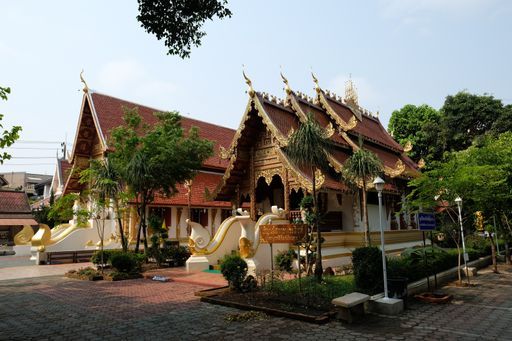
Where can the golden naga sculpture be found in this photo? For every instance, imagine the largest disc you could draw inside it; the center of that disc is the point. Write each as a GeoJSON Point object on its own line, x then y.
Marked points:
{"type": "Point", "coordinates": [224, 153]}
{"type": "Point", "coordinates": [246, 249]}
{"type": "Point", "coordinates": [329, 131]}
{"type": "Point", "coordinates": [24, 237]}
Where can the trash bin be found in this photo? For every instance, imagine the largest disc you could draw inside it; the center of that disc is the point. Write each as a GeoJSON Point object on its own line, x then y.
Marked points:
{"type": "Point", "coordinates": [397, 288]}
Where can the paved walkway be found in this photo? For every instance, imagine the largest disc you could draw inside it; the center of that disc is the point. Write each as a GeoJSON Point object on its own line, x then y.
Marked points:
{"type": "Point", "coordinates": [59, 308]}
{"type": "Point", "coordinates": [18, 267]}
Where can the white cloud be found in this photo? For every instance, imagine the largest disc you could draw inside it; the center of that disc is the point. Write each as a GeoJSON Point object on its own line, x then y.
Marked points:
{"type": "Point", "coordinates": [130, 79]}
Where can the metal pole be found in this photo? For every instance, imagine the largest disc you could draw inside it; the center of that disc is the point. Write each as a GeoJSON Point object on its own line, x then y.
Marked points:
{"type": "Point", "coordinates": [496, 235]}
{"type": "Point", "coordinates": [425, 259]}
{"type": "Point", "coordinates": [271, 266]}
{"type": "Point", "coordinates": [298, 266]}
{"type": "Point", "coordinates": [463, 242]}
{"type": "Point", "coordinates": [384, 272]}
{"type": "Point", "coordinates": [433, 270]}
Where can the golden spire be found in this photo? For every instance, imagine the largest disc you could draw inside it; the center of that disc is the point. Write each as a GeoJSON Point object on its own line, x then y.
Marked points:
{"type": "Point", "coordinates": [86, 87]}
{"type": "Point", "coordinates": [286, 85]}
{"type": "Point", "coordinates": [315, 80]}
{"type": "Point", "coordinates": [351, 92]}
{"type": "Point", "coordinates": [250, 91]}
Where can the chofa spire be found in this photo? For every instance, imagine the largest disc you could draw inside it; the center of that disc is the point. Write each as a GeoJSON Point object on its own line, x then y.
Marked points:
{"type": "Point", "coordinates": [250, 91]}
{"type": "Point", "coordinates": [86, 87]}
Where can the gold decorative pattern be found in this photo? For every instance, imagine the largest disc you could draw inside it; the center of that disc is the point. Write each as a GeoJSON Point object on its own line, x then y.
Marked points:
{"type": "Point", "coordinates": [224, 153]}
{"type": "Point", "coordinates": [344, 126]}
{"type": "Point", "coordinates": [351, 96]}
{"type": "Point", "coordinates": [246, 248]}
{"type": "Point", "coordinates": [396, 171]}
{"type": "Point", "coordinates": [281, 140]}
{"type": "Point", "coordinates": [319, 178]}
{"type": "Point", "coordinates": [329, 131]}
{"type": "Point", "coordinates": [421, 163]}
{"type": "Point", "coordinates": [24, 236]}
{"type": "Point", "coordinates": [268, 174]}
{"type": "Point", "coordinates": [335, 164]}
{"type": "Point", "coordinates": [408, 147]}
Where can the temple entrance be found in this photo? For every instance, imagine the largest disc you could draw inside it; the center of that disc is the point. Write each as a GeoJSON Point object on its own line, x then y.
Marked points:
{"type": "Point", "coordinates": [295, 199]}
{"type": "Point", "coordinates": [268, 195]}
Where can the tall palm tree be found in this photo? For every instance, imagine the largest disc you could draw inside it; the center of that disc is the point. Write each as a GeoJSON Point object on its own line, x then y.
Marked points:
{"type": "Point", "coordinates": [308, 147]}
{"type": "Point", "coordinates": [359, 170]}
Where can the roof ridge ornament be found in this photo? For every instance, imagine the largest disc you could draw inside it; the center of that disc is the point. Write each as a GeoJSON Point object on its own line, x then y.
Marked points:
{"type": "Point", "coordinates": [315, 80]}
{"type": "Point", "coordinates": [351, 96]}
{"type": "Point", "coordinates": [286, 85]}
{"type": "Point", "coordinates": [250, 91]}
{"type": "Point", "coordinates": [86, 87]}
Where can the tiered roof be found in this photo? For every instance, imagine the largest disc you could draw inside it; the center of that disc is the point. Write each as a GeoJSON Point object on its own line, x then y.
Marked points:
{"type": "Point", "coordinates": [344, 121]}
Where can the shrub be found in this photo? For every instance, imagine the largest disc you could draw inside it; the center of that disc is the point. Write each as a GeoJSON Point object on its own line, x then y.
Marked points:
{"type": "Point", "coordinates": [284, 260]}
{"type": "Point", "coordinates": [480, 244]}
{"type": "Point", "coordinates": [107, 254]}
{"type": "Point", "coordinates": [124, 262]}
{"type": "Point", "coordinates": [367, 262]}
{"type": "Point", "coordinates": [234, 270]}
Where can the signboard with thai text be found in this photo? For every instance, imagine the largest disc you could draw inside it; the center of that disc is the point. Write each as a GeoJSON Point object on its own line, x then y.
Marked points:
{"type": "Point", "coordinates": [426, 221]}
{"type": "Point", "coordinates": [282, 233]}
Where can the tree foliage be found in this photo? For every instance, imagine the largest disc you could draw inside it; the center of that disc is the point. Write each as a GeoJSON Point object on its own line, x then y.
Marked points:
{"type": "Point", "coordinates": [466, 116]}
{"type": "Point", "coordinates": [179, 22]}
{"type": "Point", "coordinates": [155, 159]}
{"type": "Point", "coordinates": [8, 136]}
{"type": "Point", "coordinates": [419, 125]}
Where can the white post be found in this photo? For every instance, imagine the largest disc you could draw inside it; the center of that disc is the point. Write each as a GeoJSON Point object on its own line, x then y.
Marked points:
{"type": "Point", "coordinates": [384, 270]}
{"type": "Point", "coordinates": [459, 204]}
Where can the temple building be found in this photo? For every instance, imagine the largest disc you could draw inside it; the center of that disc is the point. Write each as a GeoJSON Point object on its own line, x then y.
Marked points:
{"type": "Point", "coordinates": [251, 173]}
{"type": "Point", "coordinates": [260, 172]}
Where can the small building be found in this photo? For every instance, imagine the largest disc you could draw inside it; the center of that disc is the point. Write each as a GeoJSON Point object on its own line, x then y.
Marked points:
{"type": "Point", "coordinates": [15, 213]}
{"type": "Point", "coordinates": [35, 185]}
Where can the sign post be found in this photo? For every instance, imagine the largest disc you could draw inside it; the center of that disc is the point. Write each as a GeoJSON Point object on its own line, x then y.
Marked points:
{"type": "Point", "coordinates": [282, 233]}
{"type": "Point", "coordinates": [427, 222]}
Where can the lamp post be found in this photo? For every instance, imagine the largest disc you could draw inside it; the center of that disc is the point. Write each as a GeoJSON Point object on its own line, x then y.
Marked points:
{"type": "Point", "coordinates": [379, 186]}
{"type": "Point", "coordinates": [458, 201]}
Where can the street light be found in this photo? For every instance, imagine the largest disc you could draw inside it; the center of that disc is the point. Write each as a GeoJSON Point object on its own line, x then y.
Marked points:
{"type": "Point", "coordinates": [379, 186]}
{"type": "Point", "coordinates": [458, 201]}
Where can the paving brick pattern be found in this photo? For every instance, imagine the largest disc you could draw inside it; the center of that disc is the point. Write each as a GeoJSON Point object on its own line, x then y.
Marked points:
{"type": "Point", "coordinates": [58, 308]}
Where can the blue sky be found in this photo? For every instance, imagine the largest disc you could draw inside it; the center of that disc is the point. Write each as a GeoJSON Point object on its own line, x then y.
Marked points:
{"type": "Point", "coordinates": [397, 51]}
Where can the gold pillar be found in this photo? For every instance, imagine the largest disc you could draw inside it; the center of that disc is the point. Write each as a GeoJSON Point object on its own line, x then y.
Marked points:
{"type": "Point", "coordinates": [252, 186]}
{"type": "Point", "coordinates": [286, 191]}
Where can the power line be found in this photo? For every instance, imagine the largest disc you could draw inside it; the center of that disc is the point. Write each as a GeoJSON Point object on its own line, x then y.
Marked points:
{"type": "Point", "coordinates": [28, 164]}
{"type": "Point", "coordinates": [33, 148]}
{"type": "Point", "coordinates": [42, 142]}
{"type": "Point", "coordinates": [33, 157]}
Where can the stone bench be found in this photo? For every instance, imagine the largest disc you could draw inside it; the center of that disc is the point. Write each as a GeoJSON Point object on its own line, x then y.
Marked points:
{"type": "Point", "coordinates": [350, 306]}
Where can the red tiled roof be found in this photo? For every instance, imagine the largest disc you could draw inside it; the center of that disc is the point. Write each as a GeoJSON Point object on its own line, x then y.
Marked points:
{"type": "Point", "coordinates": [109, 111]}
{"type": "Point", "coordinates": [322, 118]}
{"type": "Point", "coordinates": [389, 158]}
{"type": "Point", "coordinates": [65, 168]}
{"type": "Point", "coordinates": [14, 202]}
{"type": "Point", "coordinates": [368, 127]}
{"type": "Point", "coordinates": [282, 118]}
{"type": "Point", "coordinates": [201, 181]}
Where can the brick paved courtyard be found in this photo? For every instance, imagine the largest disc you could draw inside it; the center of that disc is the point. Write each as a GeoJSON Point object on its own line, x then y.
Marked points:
{"type": "Point", "coordinates": [59, 308]}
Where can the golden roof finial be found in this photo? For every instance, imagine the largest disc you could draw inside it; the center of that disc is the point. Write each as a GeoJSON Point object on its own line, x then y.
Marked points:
{"type": "Point", "coordinates": [86, 87]}
{"type": "Point", "coordinates": [250, 91]}
{"type": "Point", "coordinates": [315, 80]}
{"type": "Point", "coordinates": [286, 85]}
{"type": "Point", "coordinates": [351, 92]}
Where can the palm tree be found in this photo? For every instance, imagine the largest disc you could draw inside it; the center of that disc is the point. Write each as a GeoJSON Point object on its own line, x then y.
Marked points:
{"type": "Point", "coordinates": [104, 181]}
{"type": "Point", "coordinates": [359, 170]}
{"type": "Point", "coordinates": [308, 147]}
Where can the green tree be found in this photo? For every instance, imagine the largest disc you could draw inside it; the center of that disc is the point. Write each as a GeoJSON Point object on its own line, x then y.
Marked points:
{"type": "Point", "coordinates": [308, 147]}
{"type": "Point", "coordinates": [420, 126]}
{"type": "Point", "coordinates": [465, 116]}
{"type": "Point", "coordinates": [8, 136]}
{"type": "Point", "coordinates": [359, 170]}
{"type": "Point", "coordinates": [179, 22]}
{"type": "Point", "coordinates": [155, 159]}
{"type": "Point", "coordinates": [105, 185]}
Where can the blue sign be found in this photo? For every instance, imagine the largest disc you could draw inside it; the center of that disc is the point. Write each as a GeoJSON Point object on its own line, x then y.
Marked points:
{"type": "Point", "coordinates": [426, 221]}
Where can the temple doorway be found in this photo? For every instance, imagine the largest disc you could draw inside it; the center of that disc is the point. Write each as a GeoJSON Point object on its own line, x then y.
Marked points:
{"type": "Point", "coordinates": [268, 195]}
